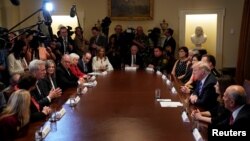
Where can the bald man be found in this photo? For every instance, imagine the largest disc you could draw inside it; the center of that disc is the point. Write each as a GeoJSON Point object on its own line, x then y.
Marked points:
{"type": "Point", "coordinates": [238, 124]}
{"type": "Point", "coordinates": [65, 78]}
{"type": "Point", "coordinates": [235, 100]}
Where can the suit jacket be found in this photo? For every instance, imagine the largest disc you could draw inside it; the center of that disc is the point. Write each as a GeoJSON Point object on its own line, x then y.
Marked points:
{"type": "Point", "coordinates": [47, 80]}
{"type": "Point", "coordinates": [65, 79]}
{"type": "Point", "coordinates": [41, 95]}
{"type": "Point", "coordinates": [101, 41]}
{"type": "Point", "coordinates": [170, 42]}
{"type": "Point", "coordinates": [241, 123]}
{"type": "Point", "coordinates": [138, 60]}
{"type": "Point", "coordinates": [207, 98]}
{"type": "Point", "coordinates": [87, 68]}
{"type": "Point", "coordinates": [70, 42]}
{"type": "Point", "coordinates": [35, 114]}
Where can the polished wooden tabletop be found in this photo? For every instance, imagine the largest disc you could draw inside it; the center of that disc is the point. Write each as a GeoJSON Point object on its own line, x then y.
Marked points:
{"type": "Point", "coordinates": [122, 107]}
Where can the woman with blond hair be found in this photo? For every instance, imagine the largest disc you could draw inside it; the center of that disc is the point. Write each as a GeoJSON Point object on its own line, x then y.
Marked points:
{"type": "Point", "coordinates": [101, 61]}
{"type": "Point", "coordinates": [16, 114]}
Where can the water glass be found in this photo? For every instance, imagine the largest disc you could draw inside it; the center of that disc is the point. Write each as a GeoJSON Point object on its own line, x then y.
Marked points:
{"type": "Point", "coordinates": [157, 93]}
{"type": "Point", "coordinates": [72, 102]}
{"type": "Point", "coordinates": [38, 135]}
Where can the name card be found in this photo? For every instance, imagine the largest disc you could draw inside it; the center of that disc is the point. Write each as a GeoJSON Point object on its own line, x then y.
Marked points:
{"type": "Point", "coordinates": [158, 73]}
{"type": "Point", "coordinates": [197, 135]}
{"type": "Point", "coordinates": [92, 78]}
{"type": "Point", "coordinates": [45, 130]}
{"type": "Point", "coordinates": [184, 117]}
{"type": "Point", "coordinates": [168, 82]}
{"type": "Point", "coordinates": [84, 90]}
{"type": "Point", "coordinates": [73, 100]}
{"type": "Point", "coordinates": [77, 99]}
{"type": "Point", "coordinates": [94, 83]}
{"type": "Point", "coordinates": [60, 113]}
{"type": "Point", "coordinates": [173, 90]}
{"type": "Point", "coordinates": [164, 77]}
{"type": "Point", "coordinates": [149, 69]}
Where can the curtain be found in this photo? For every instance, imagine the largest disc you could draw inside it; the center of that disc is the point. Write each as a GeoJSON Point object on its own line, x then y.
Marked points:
{"type": "Point", "coordinates": [243, 62]}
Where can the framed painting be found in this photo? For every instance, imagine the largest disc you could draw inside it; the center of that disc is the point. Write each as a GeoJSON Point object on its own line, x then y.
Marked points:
{"type": "Point", "coordinates": [130, 9]}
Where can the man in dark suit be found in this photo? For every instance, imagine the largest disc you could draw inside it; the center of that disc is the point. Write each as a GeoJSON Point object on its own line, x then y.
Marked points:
{"type": "Point", "coordinates": [42, 94]}
{"type": "Point", "coordinates": [96, 41]}
{"type": "Point", "coordinates": [65, 78]}
{"type": "Point", "coordinates": [235, 100]}
{"type": "Point", "coordinates": [66, 42]}
{"type": "Point", "coordinates": [133, 59]}
{"type": "Point", "coordinates": [169, 44]}
{"type": "Point", "coordinates": [204, 94]}
{"type": "Point", "coordinates": [85, 64]}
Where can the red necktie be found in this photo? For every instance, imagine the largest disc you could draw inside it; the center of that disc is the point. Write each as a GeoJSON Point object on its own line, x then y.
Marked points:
{"type": "Point", "coordinates": [35, 103]}
{"type": "Point", "coordinates": [231, 121]}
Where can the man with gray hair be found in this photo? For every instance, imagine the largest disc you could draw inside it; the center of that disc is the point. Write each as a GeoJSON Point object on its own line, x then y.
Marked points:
{"type": "Point", "coordinates": [236, 124]}
{"type": "Point", "coordinates": [204, 94]}
{"type": "Point", "coordinates": [42, 94]}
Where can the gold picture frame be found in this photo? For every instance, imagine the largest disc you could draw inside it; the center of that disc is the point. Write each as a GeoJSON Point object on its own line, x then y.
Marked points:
{"type": "Point", "coordinates": [130, 9]}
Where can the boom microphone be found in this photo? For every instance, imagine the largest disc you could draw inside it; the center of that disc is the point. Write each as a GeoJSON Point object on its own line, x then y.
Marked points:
{"type": "Point", "coordinates": [15, 2]}
{"type": "Point", "coordinates": [73, 11]}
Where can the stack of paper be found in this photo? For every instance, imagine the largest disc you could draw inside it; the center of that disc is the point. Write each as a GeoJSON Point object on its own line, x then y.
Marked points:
{"type": "Point", "coordinates": [170, 104]}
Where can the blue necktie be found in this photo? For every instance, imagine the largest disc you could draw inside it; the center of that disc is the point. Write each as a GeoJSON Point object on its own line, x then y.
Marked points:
{"type": "Point", "coordinates": [200, 88]}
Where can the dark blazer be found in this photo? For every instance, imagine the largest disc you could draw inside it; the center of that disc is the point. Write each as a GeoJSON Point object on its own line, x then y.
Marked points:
{"type": "Point", "coordinates": [41, 98]}
{"type": "Point", "coordinates": [65, 79]}
{"type": "Point", "coordinates": [87, 68]}
{"type": "Point", "coordinates": [70, 42]}
{"type": "Point", "coordinates": [170, 42]}
{"type": "Point", "coordinates": [101, 41]}
{"type": "Point", "coordinates": [47, 81]}
{"type": "Point", "coordinates": [207, 99]}
{"type": "Point", "coordinates": [241, 123]}
{"type": "Point", "coordinates": [138, 60]}
{"type": "Point", "coordinates": [35, 114]}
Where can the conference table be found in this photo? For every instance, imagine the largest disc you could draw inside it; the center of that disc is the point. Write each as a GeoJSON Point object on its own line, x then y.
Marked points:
{"type": "Point", "coordinates": [121, 107]}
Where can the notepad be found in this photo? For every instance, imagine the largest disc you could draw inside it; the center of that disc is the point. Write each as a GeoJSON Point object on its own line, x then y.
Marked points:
{"type": "Point", "coordinates": [170, 104]}
{"type": "Point", "coordinates": [162, 100]}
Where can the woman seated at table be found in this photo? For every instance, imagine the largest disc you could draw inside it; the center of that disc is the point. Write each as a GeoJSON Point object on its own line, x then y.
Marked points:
{"type": "Point", "coordinates": [16, 115]}
{"type": "Point", "coordinates": [219, 112]}
{"type": "Point", "coordinates": [101, 61]}
{"type": "Point", "coordinates": [180, 67]}
{"type": "Point", "coordinates": [73, 65]}
{"type": "Point", "coordinates": [50, 78]}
